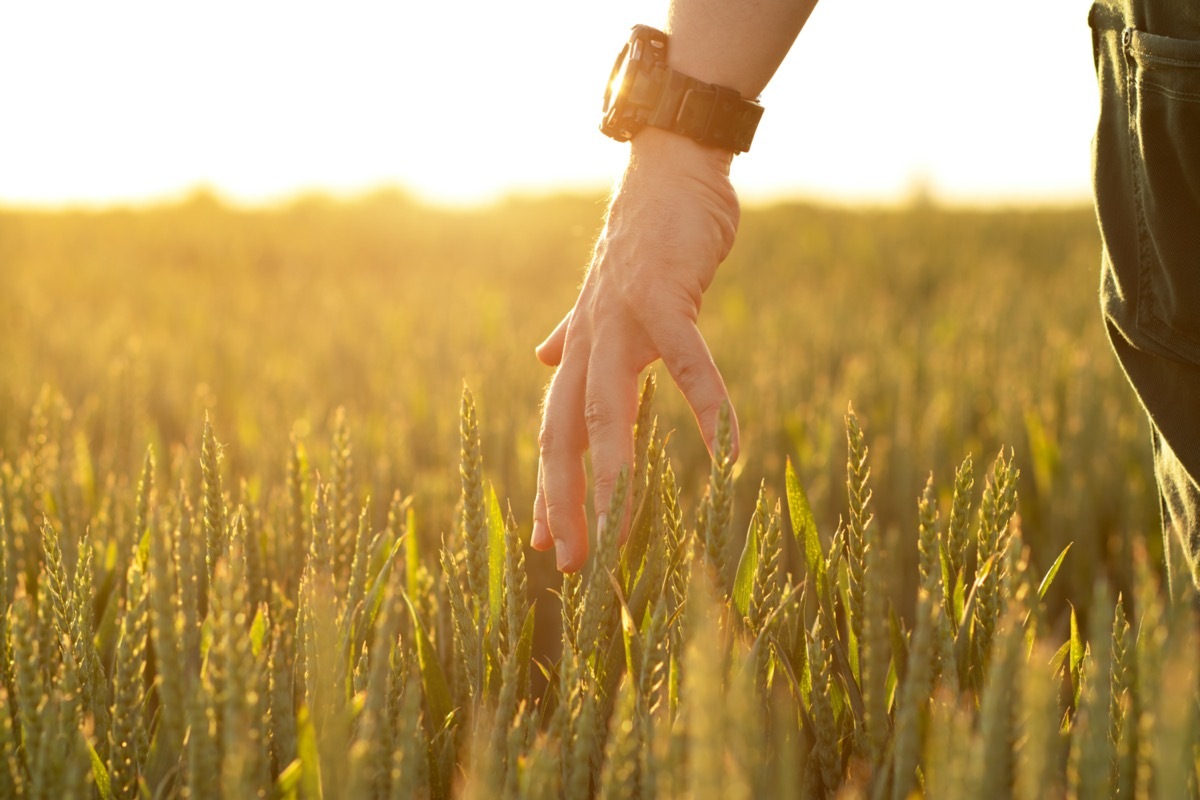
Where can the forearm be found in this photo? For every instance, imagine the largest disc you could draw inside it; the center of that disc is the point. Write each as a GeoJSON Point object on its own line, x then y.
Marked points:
{"type": "Point", "coordinates": [734, 43]}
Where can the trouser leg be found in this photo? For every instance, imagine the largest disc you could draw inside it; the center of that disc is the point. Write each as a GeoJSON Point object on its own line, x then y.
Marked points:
{"type": "Point", "coordinates": [1179, 500]}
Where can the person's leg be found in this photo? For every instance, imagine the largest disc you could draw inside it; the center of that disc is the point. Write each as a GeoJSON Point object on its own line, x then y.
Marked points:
{"type": "Point", "coordinates": [1179, 497]}
{"type": "Point", "coordinates": [1146, 172]}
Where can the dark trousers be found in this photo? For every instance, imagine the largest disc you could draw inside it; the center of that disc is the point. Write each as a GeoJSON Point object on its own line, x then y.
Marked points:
{"type": "Point", "coordinates": [1146, 168]}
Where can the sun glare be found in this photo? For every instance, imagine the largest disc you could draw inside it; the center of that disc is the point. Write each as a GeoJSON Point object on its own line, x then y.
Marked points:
{"type": "Point", "coordinates": [131, 101]}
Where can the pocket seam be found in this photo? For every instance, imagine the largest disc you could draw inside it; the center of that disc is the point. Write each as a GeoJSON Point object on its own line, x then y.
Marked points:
{"type": "Point", "coordinates": [1161, 50]}
{"type": "Point", "coordinates": [1173, 94]}
{"type": "Point", "coordinates": [1140, 81]}
{"type": "Point", "coordinates": [1186, 63]}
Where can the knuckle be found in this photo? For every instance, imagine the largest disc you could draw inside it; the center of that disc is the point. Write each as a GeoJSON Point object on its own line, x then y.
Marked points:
{"type": "Point", "coordinates": [548, 439]}
{"type": "Point", "coordinates": [560, 443]}
{"type": "Point", "coordinates": [598, 415]}
{"type": "Point", "coordinates": [603, 486]}
{"type": "Point", "coordinates": [558, 513]}
{"type": "Point", "coordinates": [560, 440]}
{"type": "Point", "coordinates": [651, 304]}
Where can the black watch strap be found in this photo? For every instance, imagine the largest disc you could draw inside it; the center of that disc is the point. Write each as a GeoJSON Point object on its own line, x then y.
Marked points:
{"type": "Point", "coordinates": [710, 114]}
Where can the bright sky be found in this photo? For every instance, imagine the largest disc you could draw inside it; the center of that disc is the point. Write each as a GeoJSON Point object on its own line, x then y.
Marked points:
{"type": "Point", "coordinates": [463, 101]}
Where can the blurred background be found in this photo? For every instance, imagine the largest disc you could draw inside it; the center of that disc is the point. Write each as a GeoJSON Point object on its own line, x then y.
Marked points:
{"type": "Point", "coordinates": [267, 211]}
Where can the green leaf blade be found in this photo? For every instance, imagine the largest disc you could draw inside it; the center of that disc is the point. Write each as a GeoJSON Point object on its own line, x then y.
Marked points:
{"type": "Point", "coordinates": [1044, 586]}
{"type": "Point", "coordinates": [309, 755]}
{"type": "Point", "coordinates": [804, 527]}
{"type": "Point", "coordinates": [743, 584]}
{"type": "Point", "coordinates": [496, 552]}
{"type": "Point", "coordinates": [100, 774]}
{"type": "Point", "coordinates": [412, 553]}
{"type": "Point", "coordinates": [433, 679]}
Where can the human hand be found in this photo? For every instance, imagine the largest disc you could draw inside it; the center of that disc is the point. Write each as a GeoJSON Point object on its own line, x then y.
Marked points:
{"type": "Point", "coordinates": [671, 222]}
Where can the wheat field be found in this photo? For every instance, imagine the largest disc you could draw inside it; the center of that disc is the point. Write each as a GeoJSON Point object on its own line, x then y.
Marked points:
{"type": "Point", "coordinates": [265, 481]}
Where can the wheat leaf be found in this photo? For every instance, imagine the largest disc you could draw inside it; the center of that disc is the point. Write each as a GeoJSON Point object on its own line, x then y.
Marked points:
{"type": "Point", "coordinates": [629, 635]}
{"type": "Point", "coordinates": [100, 774]}
{"type": "Point", "coordinates": [496, 547]}
{"type": "Point", "coordinates": [375, 596]}
{"type": "Point", "coordinates": [437, 690]}
{"type": "Point", "coordinates": [804, 527]}
{"type": "Point", "coordinates": [1044, 586]}
{"type": "Point", "coordinates": [287, 785]}
{"type": "Point", "coordinates": [1060, 656]}
{"type": "Point", "coordinates": [258, 632]}
{"type": "Point", "coordinates": [743, 584]}
{"type": "Point", "coordinates": [412, 553]}
{"type": "Point", "coordinates": [524, 652]}
{"type": "Point", "coordinates": [899, 642]}
{"type": "Point", "coordinates": [309, 755]}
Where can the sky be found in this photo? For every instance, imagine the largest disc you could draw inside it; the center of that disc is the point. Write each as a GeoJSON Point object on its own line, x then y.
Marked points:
{"type": "Point", "coordinates": [130, 101]}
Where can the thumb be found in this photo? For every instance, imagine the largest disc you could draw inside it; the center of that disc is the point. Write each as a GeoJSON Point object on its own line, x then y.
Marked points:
{"type": "Point", "coordinates": [550, 351]}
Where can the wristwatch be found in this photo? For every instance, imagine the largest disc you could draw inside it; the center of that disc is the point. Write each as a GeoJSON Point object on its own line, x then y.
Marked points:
{"type": "Point", "coordinates": [643, 90]}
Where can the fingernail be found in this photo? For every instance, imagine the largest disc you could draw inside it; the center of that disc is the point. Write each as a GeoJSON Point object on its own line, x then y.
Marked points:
{"type": "Point", "coordinates": [540, 540]}
{"type": "Point", "coordinates": [601, 525]}
{"type": "Point", "coordinates": [562, 553]}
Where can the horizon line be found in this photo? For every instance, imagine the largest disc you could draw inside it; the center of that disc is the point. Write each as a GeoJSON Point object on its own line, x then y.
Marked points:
{"type": "Point", "coordinates": [922, 195]}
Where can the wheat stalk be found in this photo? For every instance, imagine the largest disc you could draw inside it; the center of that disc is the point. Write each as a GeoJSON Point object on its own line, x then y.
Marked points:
{"type": "Point", "coordinates": [857, 537]}
{"type": "Point", "coordinates": [214, 500]}
{"type": "Point", "coordinates": [621, 775]}
{"type": "Point", "coordinates": [474, 507]}
{"type": "Point", "coordinates": [29, 685]}
{"type": "Point", "coordinates": [12, 779]}
{"type": "Point", "coordinates": [55, 595]}
{"type": "Point", "coordinates": [928, 541]}
{"type": "Point", "coordinates": [341, 504]}
{"type": "Point", "coordinates": [1120, 709]}
{"type": "Point", "coordinates": [716, 509]}
{"type": "Point", "coordinates": [516, 588]}
{"type": "Point", "coordinates": [915, 694]}
{"type": "Point", "coordinates": [128, 688]}
{"type": "Point", "coordinates": [825, 749]}
{"type": "Point", "coordinates": [291, 559]}
{"type": "Point", "coordinates": [165, 630]}
{"type": "Point", "coordinates": [958, 534]}
{"type": "Point", "coordinates": [765, 591]}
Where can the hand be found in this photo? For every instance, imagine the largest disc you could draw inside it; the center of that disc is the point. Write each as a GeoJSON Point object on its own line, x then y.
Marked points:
{"type": "Point", "coordinates": [671, 222]}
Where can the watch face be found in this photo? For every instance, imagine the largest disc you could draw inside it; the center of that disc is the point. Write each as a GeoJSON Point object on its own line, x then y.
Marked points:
{"type": "Point", "coordinates": [634, 84]}
{"type": "Point", "coordinates": [616, 81]}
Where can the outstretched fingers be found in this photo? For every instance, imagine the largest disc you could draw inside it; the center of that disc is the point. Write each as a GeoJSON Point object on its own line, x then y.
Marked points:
{"type": "Point", "coordinates": [686, 356]}
{"type": "Point", "coordinates": [559, 509]}
{"type": "Point", "coordinates": [610, 410]}
{"type": "Point", "coordinates": [541, 540]}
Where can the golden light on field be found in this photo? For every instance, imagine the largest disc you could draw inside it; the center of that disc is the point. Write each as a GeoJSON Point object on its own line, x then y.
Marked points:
{"type": "Point", "coordinates": [134, 100]}
{"type": "Point", "coordinates": [266, 473]}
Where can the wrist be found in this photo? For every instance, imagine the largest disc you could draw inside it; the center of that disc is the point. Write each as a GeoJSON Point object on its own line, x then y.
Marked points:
{"type": "Point", "coordinates": [644, 91]}
{"type": "Point", "coordinates": [662, 147]}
